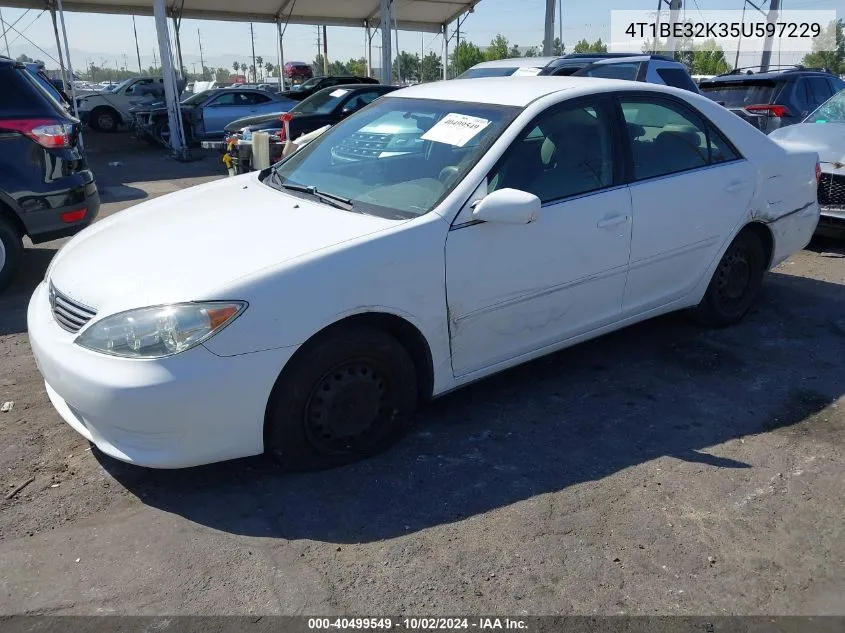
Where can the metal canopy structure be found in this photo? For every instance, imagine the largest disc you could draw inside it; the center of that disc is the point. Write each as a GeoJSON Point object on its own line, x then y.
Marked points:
{"type": "Point", "coordinates": [431, 16]}
{"type": "Point", "coordinates": [412, 15]}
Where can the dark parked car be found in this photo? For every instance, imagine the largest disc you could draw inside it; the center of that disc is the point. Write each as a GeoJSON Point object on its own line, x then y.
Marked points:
{"type": "Point", "coordinates": [305, 90]}
{"type": "Point", "coordinates": [326, 107]}
{"type": "Point", "coordinates": [774, 99]}
{"type": "Point", "coordinates": [46, 188]}
{"type": "Point", "coordinates": [206, 114]}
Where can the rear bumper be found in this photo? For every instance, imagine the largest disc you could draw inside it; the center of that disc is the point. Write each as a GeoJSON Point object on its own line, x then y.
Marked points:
{"type": "Point", "coordinates": [47, 225]}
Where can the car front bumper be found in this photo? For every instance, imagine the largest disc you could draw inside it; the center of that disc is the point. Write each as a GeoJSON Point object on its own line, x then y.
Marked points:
{"type": "Point", "coordinates": [185, 410]}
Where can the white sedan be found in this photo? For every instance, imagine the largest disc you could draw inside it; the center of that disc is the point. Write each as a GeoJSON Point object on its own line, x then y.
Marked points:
{"type": "Point", "coordinates": [305, 310]}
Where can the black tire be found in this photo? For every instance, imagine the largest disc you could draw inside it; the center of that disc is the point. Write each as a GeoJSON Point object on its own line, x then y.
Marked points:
{"type": "Point", "coordinates": [347, 395]}
{"type": "Point", "coordinates": [735, 284]}
{"type": "Point", "coordinates": [104, 119]}
{"type": "Point", "coordinates": [11, 252]}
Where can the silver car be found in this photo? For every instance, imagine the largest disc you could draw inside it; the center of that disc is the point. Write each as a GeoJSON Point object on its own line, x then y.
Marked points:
{"type": "Point", "coordinates": [824, 132]}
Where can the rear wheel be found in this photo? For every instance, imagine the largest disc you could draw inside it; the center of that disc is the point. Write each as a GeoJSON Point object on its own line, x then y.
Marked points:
{"type": "Point", "coordinates": [11, 251]}
{"type": "Point", "coordinates": [735, 283]}
{"type": "Point", "coordinates": [348, 395]}
{"type": "Point", "coordinates": [104, 120]}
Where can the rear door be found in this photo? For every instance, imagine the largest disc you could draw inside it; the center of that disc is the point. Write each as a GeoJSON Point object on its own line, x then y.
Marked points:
{"type": "Point", "coordinates": [228, 106]}
{"type": "Point", "coordinates": [689, 191]}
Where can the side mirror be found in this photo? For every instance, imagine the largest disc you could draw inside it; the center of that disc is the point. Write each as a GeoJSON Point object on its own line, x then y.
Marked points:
{"type": "Point", "coordinates": [508, 206]}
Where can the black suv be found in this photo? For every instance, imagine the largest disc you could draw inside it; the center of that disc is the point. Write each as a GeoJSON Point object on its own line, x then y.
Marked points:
{"type": "Point", "coordinates": [773, 99]}
{"type": "Point", "coordinates": [46, 188]}
{"type": "Point", "coordinates": [315, 84]}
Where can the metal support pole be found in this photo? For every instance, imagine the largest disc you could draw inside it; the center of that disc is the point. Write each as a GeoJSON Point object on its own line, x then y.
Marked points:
{"type": "Point", "coordinates": [674, 10]}
{"type": "Point", "coordinates": [5, 36]}
{"type": "Point", "coordinates": [325, 53]}
{"type": "Point", "coordinates": [180, 71]}
{"type": "Point", "coordinates": [70, 70]}
{"type": "Point", "coordinates": [386, 52]}
{"type": "Point", "coordinates": [281, 52]}
{"type": "Point", "coordinates": [445, 54]}
{"type": "Point", "coordinates": [59, 48]}
{"type": "Point", "coordinates": [549, 37]}
{"type": "Point", "coordinates": [171, 93]}
{"type": "Point", "coordinates": [771, 18]}
{"type": "Point", "coordinates": [137, 48]}
{"type": "Point", "coordinates": [368, 48]}
{"type": "Point", "coordinates": [398, 51]}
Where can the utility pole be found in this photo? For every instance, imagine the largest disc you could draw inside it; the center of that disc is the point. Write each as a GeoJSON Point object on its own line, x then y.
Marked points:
{"type": "Point", "coordinates": [422, 55]}
{"type": "Point", "coordinates": [560, 23]}
{"type": "Point", "coordinates": [252, 37]}
{"type": "Point", "coordinates": [319, 46]}
{"type": "Point", "coordinates": [137, 49]}
{"type": "Point", "coordinates": [155, 59]}
{"type": "Point", "coordinates": [398, 53]}
{"type": "Point", "coordinates": [772, 18]}
{"type": "Point", "coordinates": [325, 53]}
{"type": "Point", "coordinates": [674, 10]}
{"type": "Point", "coordinates": [202, 60]}
{"type": "Point", "coordinates": [5, 36]}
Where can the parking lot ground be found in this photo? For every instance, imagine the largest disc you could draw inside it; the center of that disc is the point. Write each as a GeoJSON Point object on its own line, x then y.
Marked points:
{"type": "Point", "coordinates": [663, 469]}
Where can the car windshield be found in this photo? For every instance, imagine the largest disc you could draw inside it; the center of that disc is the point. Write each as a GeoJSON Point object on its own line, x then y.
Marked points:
{"type": "Point", "coordinates": [737, 94]}
{"type": "Point", "coordinates": [121, 85]}
{"type": "Point", "coordinates": [498, 71]}
{"type": "Point", "coordinates": [322, 102]}
{"type": "Point", "coordinates": [198, 98]}
{"type": "Point", "coordinates": [307, 85]}
{"type": "Point", "coordinates": [831, 111]}
{"type": "Point", "coordinates": [397, 158]}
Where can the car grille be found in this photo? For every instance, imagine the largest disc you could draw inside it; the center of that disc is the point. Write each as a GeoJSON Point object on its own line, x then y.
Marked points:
{"type": "Point", "coordinates": [363, 145]}
{"type": "Point", "coordinates": [69, 314]}
{"type": "Point", "coordinates": [832, 190]}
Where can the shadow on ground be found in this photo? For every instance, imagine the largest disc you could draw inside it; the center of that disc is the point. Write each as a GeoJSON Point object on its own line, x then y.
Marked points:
{"type": "Point", "coordinates": [662, 388]}
{"type": "Point", "coordinates": [119, 158]}
{"type": "Point", "coordinates": [15, 299]}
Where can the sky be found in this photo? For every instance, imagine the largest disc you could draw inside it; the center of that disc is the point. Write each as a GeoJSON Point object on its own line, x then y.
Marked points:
{"type": "Point", "coordinates": [108, 40]}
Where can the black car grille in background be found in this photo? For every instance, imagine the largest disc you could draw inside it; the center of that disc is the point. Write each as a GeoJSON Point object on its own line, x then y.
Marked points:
{"type": "Point", "coordinates": [69, 314]}
{"type": "Point", "coordinates": [363, 145]}
{"type": "Point", "coordinates": [832, 190]}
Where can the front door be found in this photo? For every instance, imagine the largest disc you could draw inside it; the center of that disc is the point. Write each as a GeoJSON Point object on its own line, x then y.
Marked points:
{"type": "Point", "coordinates": [515, 289]}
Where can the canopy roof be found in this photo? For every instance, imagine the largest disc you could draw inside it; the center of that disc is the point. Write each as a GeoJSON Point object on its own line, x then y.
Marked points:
{"type": "Point", "coordinates": [411, 15]}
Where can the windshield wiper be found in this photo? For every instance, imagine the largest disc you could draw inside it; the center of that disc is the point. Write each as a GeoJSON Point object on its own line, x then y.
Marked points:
{"type": "Point", "coordinates": [329, 198]}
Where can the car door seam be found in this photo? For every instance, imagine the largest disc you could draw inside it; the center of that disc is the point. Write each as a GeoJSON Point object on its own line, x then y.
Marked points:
{"type": "Point", "coordinates": [542, 292]}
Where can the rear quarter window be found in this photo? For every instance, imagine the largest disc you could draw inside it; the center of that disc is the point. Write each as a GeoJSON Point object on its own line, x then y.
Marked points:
{"type": "Point", "coordinates": [677, 78]}
{"type": "Point", "coordinates": [22, 94]}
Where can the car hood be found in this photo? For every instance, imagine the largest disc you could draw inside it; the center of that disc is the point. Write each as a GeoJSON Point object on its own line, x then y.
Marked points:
{"type": "Point", "coordinates": [249, 121]}
{"type": "Point", "coordinates": [194, 244]}
{"type": "Point", "coordinates": [828, 139]}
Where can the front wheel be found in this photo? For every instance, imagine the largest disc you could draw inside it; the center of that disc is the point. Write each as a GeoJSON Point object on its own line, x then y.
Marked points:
{"type": "Point", "coordinates": [735, 283]}
{"type": "Point", "coordinates": [348, 395]}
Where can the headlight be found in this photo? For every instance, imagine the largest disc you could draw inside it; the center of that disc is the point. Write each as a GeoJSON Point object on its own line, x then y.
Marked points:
{"type": "Point", "coordinates": [159, 331]}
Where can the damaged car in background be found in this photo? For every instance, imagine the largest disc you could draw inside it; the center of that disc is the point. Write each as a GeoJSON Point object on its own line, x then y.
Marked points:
{"type": "Point", "coordinates": [326, 107]}
{"type": "Point", "coordinates": [824, 132]}
{"type": "Point", "coordinates": [206, 114]}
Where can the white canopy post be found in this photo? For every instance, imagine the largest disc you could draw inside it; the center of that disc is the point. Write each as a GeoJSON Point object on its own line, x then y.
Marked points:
{"type": "Point", "coordinates": [281, 51]}
{"type": "Point", "coordinates": [368, 48]}
{"type": "Point", "coordinates": [445, 54]}
{"type": "Point", "coordinates": [70, 70]}
{"type": "Point", "coordinates": [171, 93]}
{"type": "Point", "coordinates": [548, 40]}
{"type": "Point", "coordinates": [385, 20]}
{"type": "Point", "coordinates": [59, 48]}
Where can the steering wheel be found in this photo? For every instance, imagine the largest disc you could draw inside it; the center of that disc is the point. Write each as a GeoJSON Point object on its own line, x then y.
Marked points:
{"type": "Point", "coordinates": [447, 174]}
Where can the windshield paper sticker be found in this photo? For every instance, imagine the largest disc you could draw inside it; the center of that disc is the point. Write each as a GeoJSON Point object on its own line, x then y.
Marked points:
{"type": "Point", "coordinates": [338, 93]}
{"type": "Point", "coordinates": [455, 129]}
{"type": "Point", "coordinates": [526, 71]}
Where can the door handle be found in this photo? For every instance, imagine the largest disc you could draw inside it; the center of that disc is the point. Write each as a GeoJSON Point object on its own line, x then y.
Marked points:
{"type": "Point", "coordinates": [612, 221]}
{"type": "Point", "coordinates": [736, 185]}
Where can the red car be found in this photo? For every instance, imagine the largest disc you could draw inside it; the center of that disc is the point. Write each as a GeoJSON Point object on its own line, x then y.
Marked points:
{"type": "Point", "coordinates": [298, 70]}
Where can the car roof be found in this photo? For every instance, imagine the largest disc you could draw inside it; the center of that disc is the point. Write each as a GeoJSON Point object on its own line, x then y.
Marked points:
{"type": "Point", "coordinates": [776, 75]}
{"type": "Point", "coordinates": [516, 91]}
{"type": "Point", "coordinates": [518, 62]}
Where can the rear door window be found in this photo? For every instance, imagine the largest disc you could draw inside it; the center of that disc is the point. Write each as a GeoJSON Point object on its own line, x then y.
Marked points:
{"type": "Point", "coordinates": [677, 78]}
{"type": "Point", "coordinates": [738, 94]}
{"type": "Point", "coordinates": [819, 91]}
